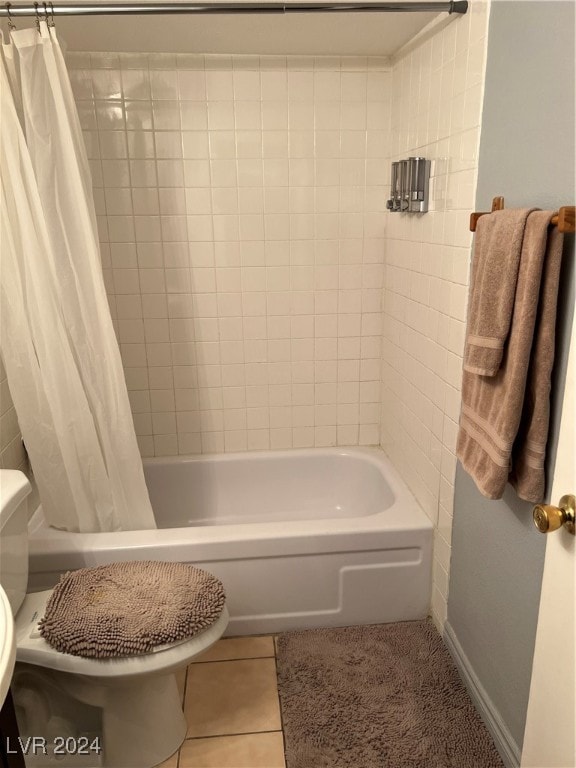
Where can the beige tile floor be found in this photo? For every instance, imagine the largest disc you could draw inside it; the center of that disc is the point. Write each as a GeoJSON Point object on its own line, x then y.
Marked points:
{"type": "Point", "coordinates": [231, 705]}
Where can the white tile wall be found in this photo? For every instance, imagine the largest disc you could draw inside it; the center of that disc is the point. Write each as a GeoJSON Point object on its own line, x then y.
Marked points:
{"type": "Point", "coordinates": [241, 204]}
{"type": "Point", "coordinates": [436, 106]}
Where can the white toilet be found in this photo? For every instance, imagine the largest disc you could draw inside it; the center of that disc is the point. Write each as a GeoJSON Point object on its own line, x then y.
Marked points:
{"type": "Point", "coordinates": [136, 698]}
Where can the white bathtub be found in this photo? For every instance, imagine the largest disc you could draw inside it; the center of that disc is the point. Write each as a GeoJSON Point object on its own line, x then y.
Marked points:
{"type": "Point", "coordinates": [304, 538]}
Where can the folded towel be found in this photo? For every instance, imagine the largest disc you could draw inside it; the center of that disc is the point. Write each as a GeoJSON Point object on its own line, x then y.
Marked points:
{"type": "Point", "coordinates": [497, 248]}
{"type": "Point", "coordinates": [492, 407]}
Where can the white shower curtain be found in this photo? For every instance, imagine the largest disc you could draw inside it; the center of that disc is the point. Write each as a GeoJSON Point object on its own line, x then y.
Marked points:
{"type": "Point", "coordinates": [57, 340]}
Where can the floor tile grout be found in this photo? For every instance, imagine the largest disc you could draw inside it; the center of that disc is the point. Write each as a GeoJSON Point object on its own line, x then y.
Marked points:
{"type": "Point", "coordinates": [225, 735]}
{"type": "Point", "coordinates": [183, 705]}
{"type": "Point", "coordinates": [220, 661]}
{"type": "Point", "coordinates": [279, 700]}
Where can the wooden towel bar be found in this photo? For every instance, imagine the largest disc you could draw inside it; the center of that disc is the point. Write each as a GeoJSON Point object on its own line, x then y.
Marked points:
{"type": "Point", "coordinates": [564, 219]}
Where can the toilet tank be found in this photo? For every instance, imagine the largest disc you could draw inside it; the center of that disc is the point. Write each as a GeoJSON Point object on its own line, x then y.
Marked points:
{"type": "Point", "coordinates": [14, 490]}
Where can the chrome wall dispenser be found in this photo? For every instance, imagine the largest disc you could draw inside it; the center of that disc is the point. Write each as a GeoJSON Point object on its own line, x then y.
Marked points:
{"type": "Point", "coordinates": [409, 186]}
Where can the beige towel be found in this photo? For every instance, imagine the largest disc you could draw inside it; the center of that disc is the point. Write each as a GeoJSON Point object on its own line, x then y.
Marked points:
{"type": "Point", "coordinates": [492, 407]}
{"type": "Point", "coordinates": [497, 248]}
{"type": "Point", "coordinates": [529, 451]}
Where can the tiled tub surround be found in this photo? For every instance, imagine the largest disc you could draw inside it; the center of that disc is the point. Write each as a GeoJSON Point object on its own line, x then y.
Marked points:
{"type": "Point", "coordinates": [241, 203]}
{"type": "Point", "coordinates": [244, 237]}
{"type": "Point", "coordinates": [436, 106]}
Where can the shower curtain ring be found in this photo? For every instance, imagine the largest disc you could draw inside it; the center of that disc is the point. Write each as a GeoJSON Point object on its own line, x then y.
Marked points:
{"type": "Point", "coordinates": [46, 17]}
{"type": "Point", "coordinates": [37, 17]}
{"type": "Point", "coordinates": [52, 21]}
{"type": "Point", "coordinates": [11, 25]}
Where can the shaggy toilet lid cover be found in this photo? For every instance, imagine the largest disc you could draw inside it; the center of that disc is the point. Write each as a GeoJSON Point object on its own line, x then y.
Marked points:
{"type": "Point", "coordinates": [126, 609]}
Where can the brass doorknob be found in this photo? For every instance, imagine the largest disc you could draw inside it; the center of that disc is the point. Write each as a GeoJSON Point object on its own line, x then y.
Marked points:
{"type": "Point", "coordinates": [548, 518]}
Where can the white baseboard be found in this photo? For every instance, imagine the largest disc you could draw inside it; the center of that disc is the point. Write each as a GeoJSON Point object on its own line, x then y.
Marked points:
{"type": "Point", "coordinates": [505, 744]}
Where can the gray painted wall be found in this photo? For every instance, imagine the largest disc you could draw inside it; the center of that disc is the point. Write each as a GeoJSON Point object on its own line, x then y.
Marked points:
{"type": "Point", "coordinates": [527, 155]}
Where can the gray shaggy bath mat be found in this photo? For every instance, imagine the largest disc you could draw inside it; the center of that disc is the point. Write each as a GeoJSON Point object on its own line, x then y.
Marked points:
{"type": "Point", "coordinates": [381, 696]}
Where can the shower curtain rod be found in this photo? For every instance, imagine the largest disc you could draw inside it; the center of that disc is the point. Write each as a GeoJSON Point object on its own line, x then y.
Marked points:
{"type": "Point", "coordinates": [106, 9]}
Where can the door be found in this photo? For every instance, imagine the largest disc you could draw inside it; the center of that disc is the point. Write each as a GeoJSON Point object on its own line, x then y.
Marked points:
{"type": "Point", "coordinates": [549, 740]}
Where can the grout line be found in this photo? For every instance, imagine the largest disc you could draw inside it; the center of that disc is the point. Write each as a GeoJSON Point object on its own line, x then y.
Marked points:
{"type": "Point", "coordinates": [184, 710]}
{"type": "Point", "coordinates": [279, 699]}
{"type": "Point", "coordinates": [227, 735]}
{"type": "Point", "coordinates": [239, 658]}
{"type": "Point", "coordinates": [185, 685]}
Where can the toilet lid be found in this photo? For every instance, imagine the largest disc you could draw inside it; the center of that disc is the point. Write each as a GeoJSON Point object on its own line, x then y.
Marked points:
{"type": "Point", "coordinates": [126, 609]}
{"type": "Point", "coordinates": [32, 649]}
